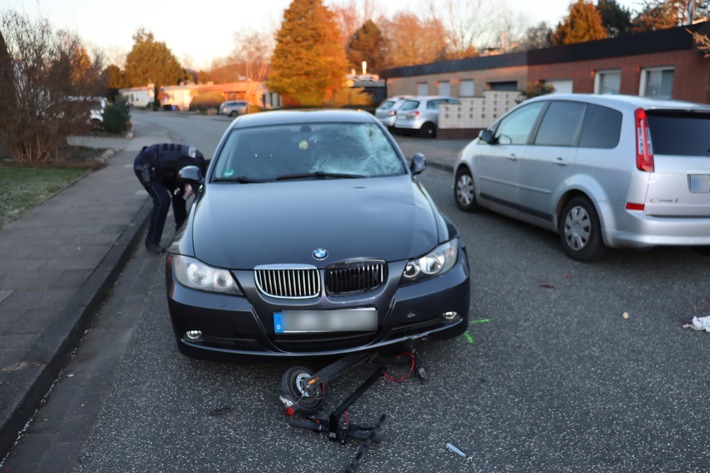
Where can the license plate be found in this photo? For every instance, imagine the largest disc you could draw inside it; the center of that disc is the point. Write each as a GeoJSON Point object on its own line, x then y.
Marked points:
{"type": "Point", "coordinates": [699, 183]}
{"type": "Point", "coordinates": [308, 321]}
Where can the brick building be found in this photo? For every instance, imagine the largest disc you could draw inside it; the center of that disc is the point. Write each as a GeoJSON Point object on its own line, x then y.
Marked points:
{"type": "Point", "coordinates": [663, 63]}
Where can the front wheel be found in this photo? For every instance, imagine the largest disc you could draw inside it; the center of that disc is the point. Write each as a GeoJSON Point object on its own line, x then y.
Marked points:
{"type": "Point", "coordinates": [293, 386]}
{"type": "Point", "coordinates": [580, 231]}
{"type": "Point", "coordinates": [464, 191]}
{"type": "Point", "coordinates": [233, 114]}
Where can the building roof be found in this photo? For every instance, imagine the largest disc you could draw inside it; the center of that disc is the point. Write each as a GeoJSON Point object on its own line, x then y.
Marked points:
{"type": "Point", "coordinates": [670, 39]}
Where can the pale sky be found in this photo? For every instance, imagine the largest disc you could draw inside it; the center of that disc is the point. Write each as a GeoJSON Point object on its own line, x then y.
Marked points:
{"type": "Point", "coordinates": [199, 32]}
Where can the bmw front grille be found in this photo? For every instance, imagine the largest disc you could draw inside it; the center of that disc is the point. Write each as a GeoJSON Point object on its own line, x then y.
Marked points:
{"type": "Point", "coordinates": [303, 281]}
{"type": "Point", "coordinates": [355, 276]}
{"type": "Point", "coordinates": [288, 281]}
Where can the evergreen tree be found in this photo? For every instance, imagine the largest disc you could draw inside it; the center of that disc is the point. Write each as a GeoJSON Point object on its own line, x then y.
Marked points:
{"type": "Point", "coordinates": [584, 23]}
{"type": "Point", "coordinates": [115, 79]}
{"type": "Point", "coordinates": [151, 62]}
{"type": "Point", "coordinates": [615, 18]}
{"type": "Point", "coordinates": [660, 15]}
{"type": "Point", "coordinates": [308, 65]}
{"type": "Point", "coordinates": [366, 45]}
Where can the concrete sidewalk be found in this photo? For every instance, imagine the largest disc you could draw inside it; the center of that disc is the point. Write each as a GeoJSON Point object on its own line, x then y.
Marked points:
{"type": "Point", "coordinates": [57, 262]}
{"type": "Point", "coordinates": [59, 259]}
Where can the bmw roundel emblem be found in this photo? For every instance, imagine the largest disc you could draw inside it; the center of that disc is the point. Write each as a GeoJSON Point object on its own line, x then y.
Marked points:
{"type": "Point", "coordinates": [320, 254]}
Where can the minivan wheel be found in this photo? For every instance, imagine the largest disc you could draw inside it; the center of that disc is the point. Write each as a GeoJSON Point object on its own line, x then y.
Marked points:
{"type": "Point", "coordinates": [464, 192]}
{"type": "Point", "coordinates": [428, 130]}
{"type": "Point", "coordinates": [580, 232]}
{"type": "Point", "coordinates": [233, 114]}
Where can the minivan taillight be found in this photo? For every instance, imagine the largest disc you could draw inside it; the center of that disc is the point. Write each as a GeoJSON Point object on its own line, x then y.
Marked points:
{"type": "Point", "coordinates": [644, 149]}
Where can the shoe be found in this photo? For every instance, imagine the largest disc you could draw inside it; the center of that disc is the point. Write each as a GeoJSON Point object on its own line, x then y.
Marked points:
{"type": "Point", "coordinates": [154, 249]}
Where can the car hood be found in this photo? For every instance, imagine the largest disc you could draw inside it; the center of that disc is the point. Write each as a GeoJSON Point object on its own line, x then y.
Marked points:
{"type": "Point", "coordinates": [239, 226]}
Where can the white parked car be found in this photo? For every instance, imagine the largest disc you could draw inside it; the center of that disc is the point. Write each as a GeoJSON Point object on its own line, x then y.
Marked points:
{"type": "Point", "coordinates": [233, 108]}
{"type": "Point", "coordinates": [421, 115]}
{"type": "Point", "coordinates": [386, 112]}
{"type": "Point", "coordinates": [600, 170]}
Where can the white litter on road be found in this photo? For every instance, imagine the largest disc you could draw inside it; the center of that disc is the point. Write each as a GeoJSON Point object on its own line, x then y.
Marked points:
{"type": "Point", "coordinates": [699, 323]}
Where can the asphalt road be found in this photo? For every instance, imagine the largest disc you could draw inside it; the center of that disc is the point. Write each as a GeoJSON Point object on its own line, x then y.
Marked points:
{"type": "Point", "coordinates": [550, 377]}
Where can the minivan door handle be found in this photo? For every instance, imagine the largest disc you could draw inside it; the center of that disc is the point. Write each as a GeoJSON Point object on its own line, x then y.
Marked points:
{"type": "Point", "coordinates": [512, 157]}
{"type": "Point", "coordinates": [560, 162]}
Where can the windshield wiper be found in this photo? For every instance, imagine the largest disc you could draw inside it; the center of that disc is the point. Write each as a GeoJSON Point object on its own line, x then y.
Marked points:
{"type": "Point", "coordinates": [240, 179]}
{"type": "Point", "coordinates": [319, 175]}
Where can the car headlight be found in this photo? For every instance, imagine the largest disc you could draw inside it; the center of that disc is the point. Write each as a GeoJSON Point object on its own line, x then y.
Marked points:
{"type": "Point", "coordinates": [437, 262]}
{"type": "Point", "coordinates": [195, 274]}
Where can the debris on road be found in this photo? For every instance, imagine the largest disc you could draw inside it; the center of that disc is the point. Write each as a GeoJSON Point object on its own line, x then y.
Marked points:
{"type": "Point", "coordinates": [699, 323]}
{"type": "Point", "coordinates": [458, 452]}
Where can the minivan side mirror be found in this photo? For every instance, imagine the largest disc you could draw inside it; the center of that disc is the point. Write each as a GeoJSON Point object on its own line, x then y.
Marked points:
{"type": "Point", "coordinates": [418, 164]}
{"type": "Point", "coordinates": [486, 136]}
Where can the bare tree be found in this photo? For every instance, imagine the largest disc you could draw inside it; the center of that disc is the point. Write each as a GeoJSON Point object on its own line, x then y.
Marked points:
{"type": "Point", "coordinates": [53, 77]}
{"type": "Point", "coordinates": [253, 50]}
{"type": "Point", "coordinates": [472, 25]}
{"type": "Point", "coordinates": [466, 23]}
{"type": "Point", "coordinates": [410, 40]}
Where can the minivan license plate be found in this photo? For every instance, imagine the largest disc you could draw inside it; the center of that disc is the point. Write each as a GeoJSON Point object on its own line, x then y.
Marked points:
{"type": "Point", "coordinates": [306, 321]}
{"type": "Point", "coordinates": [700, 183]}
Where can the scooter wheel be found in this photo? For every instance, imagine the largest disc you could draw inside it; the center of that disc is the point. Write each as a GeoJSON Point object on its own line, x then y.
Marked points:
{"type": "Point", "coordinates": [294, 386]}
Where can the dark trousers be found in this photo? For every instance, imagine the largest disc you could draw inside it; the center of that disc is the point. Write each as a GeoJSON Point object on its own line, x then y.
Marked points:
{"type": "Point", "coordinates": [162, 198]}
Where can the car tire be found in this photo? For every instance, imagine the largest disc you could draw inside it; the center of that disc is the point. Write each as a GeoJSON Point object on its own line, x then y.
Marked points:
{"type": "Point", "coordinates": [233, 114]}
{"type": "Point", "coordinates": [428, 130]}
{"type": "Point", "coordinates": [464, 191]}
{"type": "Point", "coordinates": [580, 231]}
{"type": "Point", "coordinates": [292, 389]}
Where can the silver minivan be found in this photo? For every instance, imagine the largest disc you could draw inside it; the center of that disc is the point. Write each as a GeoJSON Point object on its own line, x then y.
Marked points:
{"type": "Point", "coordinates": [600, 170]}
{"type": "Point", "coordinates": [421, 115]}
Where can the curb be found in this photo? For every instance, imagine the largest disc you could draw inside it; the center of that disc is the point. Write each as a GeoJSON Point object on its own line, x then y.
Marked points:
{"type": "Point", "coordinates": [35, 375]}
{"type": "Point", "coordinates": [443, 167]}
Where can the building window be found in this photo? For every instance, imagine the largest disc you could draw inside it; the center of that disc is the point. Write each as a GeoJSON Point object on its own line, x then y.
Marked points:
{"type": "Point", "coordinates": [466, 88]}
{"type": "Point", "coordinates": [509, 86]}
{"type": "Point", "coordinates": [422, 88]}
{"type": "Point", "coordinates": [657, 82]}
{"type": "Point", "coordinates": [444, 87]}
{"type": "Point", "coordinates": [607, 82]}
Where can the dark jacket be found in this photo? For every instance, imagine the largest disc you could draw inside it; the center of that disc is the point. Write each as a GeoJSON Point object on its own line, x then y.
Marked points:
{"type": "Point", "coordinates": [167, 159]}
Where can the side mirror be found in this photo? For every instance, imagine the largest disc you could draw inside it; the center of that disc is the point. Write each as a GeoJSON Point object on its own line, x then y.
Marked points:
{"type": "Point", "coordinates": [191, 174]}
{"type": "Point", "coordinates": [486, 136]}
{"type": "Point", "coordinates": [418, 164]}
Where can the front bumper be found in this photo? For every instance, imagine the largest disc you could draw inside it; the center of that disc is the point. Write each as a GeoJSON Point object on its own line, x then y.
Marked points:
{"type": "Point", "coordinates": [236, 326]}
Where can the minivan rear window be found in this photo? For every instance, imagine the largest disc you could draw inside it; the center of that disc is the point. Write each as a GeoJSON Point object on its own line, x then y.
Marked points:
{"type": "Point", "coordinates": [601, 128]}
{"type": "Point", "coordinates": [680, 133]}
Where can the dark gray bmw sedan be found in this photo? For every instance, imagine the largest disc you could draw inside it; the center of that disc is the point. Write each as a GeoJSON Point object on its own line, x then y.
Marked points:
{"type": "Point", "coordinates": [312, 236]}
